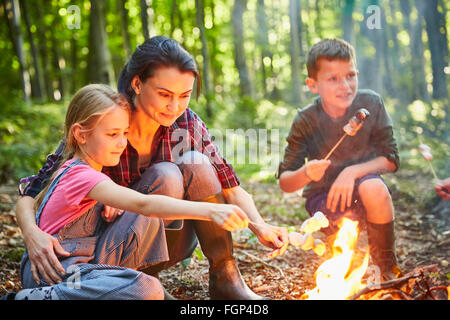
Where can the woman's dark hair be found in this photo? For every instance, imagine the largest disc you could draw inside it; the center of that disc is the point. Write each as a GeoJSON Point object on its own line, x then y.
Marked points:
{"type": "Point", "coordinates": [154, 53]}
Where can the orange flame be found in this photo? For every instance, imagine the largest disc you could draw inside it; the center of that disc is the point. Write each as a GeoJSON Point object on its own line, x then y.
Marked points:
{"type": "Point", "coordinates": [335, 279]}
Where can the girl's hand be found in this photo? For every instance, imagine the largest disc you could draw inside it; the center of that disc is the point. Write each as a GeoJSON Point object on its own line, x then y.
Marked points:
{"type": "Point", "coordinates": [315, 169]}
{"type": "Point", "coordinates": [109, 214]}
{"type": "Point", "coordinates": [42, 250]}
{"type": "Point", "coordinates": [228, 216]}
{"type": "Point", "coordinates": [342, 190]}
{"type": "Point", "coordinates": [273, 237]}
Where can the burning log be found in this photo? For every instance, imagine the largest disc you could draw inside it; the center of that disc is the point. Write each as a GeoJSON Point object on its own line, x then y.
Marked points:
{"type": "Point", "coordinates": [405, 288]}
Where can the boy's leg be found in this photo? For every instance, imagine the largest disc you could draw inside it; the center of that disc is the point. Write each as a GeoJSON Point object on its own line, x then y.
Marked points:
{"type": "Point", "coordinates": [377, 201]}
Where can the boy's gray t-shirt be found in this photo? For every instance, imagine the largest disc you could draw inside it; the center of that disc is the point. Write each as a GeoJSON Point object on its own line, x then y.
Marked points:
{"type": "Point", "coordinates": [314, 133]}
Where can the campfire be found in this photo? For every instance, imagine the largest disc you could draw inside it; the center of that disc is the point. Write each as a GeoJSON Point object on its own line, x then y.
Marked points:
{"type": "Point", "coordinates": [341, 276]}
{"type": "Point", "coordinates": [337, 278]}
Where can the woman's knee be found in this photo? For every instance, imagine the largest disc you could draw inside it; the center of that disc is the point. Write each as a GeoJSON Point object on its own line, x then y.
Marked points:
{"type": "Point", "coordinates": [200, 177]}
{"type": "Point", "coordinates": [162, 178]}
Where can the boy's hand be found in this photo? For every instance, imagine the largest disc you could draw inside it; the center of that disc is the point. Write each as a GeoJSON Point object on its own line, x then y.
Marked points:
{"type": "Point", "coordinates": [342, 189]}
{"type": "Point", "coordinates": [315, 169]}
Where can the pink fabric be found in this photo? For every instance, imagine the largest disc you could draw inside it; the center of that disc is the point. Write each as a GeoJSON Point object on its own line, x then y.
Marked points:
{"type": "Point", "coordinates": [68, 201]}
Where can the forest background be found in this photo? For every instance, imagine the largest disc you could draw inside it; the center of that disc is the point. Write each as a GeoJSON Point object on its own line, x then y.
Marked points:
{"type": "Point", "coordinates": [251, 54]}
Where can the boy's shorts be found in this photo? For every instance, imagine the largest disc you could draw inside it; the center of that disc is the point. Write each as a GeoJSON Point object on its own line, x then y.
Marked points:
{"type": "Point", "coordinates": [356, 211]}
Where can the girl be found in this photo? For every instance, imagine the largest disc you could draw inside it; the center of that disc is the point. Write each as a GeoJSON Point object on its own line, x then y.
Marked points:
{"type": "Point", "coordinates": [96, 128]}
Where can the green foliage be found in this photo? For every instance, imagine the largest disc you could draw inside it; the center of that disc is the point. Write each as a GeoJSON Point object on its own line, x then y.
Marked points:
{"type": "Point", "coordinates": [27, 135]}
{"type": "Point", "coordinates": [13, 255]}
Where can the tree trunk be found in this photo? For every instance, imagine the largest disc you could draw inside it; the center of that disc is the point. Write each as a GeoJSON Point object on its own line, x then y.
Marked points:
{"type": "Point", "coordinates": [200, 18]}
{"type": "Point", "coordinates": [144, 19]}
{"type": "Point", "coordinates": [37, 87]}
{"type": "Point", "coordinates": [347, 21]}
{"type": "Point", "coordinates": [239, 52]}
{"type": "Point", "coordinates": [123, 12]}
{"type": "Point", "coordinates": [300, 27]}
{"type": "Point", "coordinates": [387, 74]}
{"type": "Point", "coordinates": [294, 52]}
{"type": "Point", "coordinates": [56, 56]}
{"type": "Point", "coordinates": [99, 60]}
{"type": "Point", "coordinates": [263, 42]}
{"type": "Point", "coordinates": [43, 50]}
{"type": "Point", "coordinates": [18, 45]}
{"type": "Point", "coordinates": [437, 43]}
{"type": "Point", "coordinates": [418, 83]}
{"type": "Point", "coordinates": [74, 61]}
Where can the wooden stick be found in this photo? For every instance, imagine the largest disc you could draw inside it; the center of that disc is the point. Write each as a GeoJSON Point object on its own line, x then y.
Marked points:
{"type": "Point", "coordinates": [434, 172]}
{"type": "Point", "coordinates": [334, 148]}
{"type": "Point", "coordinates": [257, 224]}
{"type": "Point", "coordinates": [263, 262]}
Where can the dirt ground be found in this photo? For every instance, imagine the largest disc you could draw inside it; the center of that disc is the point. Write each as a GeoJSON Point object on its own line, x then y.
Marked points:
{"type": "Point", "coordinates": [422, 233]}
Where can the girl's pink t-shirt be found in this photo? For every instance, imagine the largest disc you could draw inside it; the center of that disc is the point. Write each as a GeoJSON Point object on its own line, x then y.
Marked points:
{"type": "Point", "coordinates": [68, 200]}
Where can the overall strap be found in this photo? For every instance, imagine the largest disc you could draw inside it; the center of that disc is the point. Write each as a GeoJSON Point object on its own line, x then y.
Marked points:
{"type": "Point", "coordinates": [53, 186]}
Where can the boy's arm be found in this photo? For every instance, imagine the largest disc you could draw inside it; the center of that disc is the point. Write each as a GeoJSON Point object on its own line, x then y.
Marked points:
{"type": "Point", "coordinates": [314, 170]}
{"type": "Point", "coordinates": [291, 171]}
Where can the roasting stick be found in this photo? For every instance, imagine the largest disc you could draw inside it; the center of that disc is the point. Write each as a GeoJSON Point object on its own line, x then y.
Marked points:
{"type": "Point", "coordinates": [257, 224]}
{"type": "Point", "coordinates": [426, 154]}
{"type": "Point", "coordinates": [434, 172]}
{"type": "Point", "coordinates": [334, 148]}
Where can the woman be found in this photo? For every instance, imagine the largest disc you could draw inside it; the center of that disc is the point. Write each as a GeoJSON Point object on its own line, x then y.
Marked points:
{"type": "Point", "coordinates": [158, 81]}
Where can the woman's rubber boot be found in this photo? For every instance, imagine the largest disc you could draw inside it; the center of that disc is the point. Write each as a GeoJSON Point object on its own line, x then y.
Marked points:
{"type": "Point", "coordinates": [225, 280]}
{"type": "Point", "coordinates": [381, 238]}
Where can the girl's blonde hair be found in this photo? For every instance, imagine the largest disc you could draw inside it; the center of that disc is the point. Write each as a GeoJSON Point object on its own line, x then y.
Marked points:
{"type": "Point", "coordinates": [87, 107]}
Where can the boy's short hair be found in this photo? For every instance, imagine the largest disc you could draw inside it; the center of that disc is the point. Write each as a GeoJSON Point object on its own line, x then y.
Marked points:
{"type": "Point", "coordinates": [329, 49]}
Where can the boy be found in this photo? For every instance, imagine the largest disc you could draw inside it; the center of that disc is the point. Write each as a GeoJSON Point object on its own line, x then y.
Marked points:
{"type": "Point", "coordinates": [349, 182]}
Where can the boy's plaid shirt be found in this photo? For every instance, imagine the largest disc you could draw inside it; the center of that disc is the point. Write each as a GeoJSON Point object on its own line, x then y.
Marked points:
{"type": "Point", "coordinates": [187, 133]}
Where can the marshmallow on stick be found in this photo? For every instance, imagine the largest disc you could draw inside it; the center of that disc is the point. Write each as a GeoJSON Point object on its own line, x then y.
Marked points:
{"type": "Point", "coordinates": [352, 127]}
{"type": "Point", "coordinates": [426, 154]}
{"type": "Point", "coordinates": [305, 240]}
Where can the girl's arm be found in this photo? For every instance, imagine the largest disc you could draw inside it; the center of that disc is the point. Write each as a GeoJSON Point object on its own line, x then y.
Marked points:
{"type": "Point", "coordinates": [229, 217]}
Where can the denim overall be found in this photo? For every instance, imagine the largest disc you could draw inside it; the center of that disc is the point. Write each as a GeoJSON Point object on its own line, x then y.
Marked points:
{"type": "Point", "coordinates": [104, 257]}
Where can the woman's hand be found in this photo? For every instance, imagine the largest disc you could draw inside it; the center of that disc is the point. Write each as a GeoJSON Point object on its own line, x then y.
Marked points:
{"type": "Point", "coordinates": [42, 250]}
{"type": "Point", "coordinates": [228, 216]}
{"type": "Point", "coordinates": [273, 237]}
{"type": "Point", "coordinates": [342, 190]}
{"type": "Point", "coordinates": [109, 214]}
